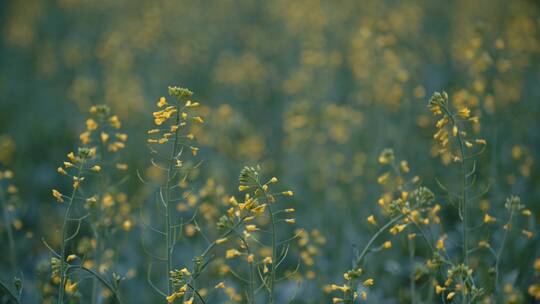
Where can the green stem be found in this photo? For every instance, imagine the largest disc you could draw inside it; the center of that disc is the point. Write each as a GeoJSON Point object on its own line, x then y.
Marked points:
{"type": "Point", "coordinates": [349, 296]}
{"type": "Point", "coordinates": [168, 218]}
{"type": "Point", "coordinates": [63, 242]}
{"type": "Point", "coordinates": [114, 292]}
{"type": "Point", "coordinates": [9, 230]}
{"type": "Point", "coordinates": [10, 293]}
{"type": "Point", "coordinates": [500, 251]}
{"type": "Point", "coordinates": [412, 281]}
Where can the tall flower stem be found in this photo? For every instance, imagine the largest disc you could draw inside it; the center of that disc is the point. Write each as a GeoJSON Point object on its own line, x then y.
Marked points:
{"type": "Point", "coordinates": [9, 231]}
{"type": "Point", "coordinates": [61, 290]}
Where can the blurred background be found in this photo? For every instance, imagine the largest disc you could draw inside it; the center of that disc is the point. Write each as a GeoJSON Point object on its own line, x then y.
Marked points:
{"type": "Point", "coordinates": [310, 90]}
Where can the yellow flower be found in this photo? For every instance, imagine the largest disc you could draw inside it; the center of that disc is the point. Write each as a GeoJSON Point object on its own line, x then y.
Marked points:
{"type": "Point", "coordinates": [251, 228]}
{"type": "Point", "coordinates": [387, 245]}
{"type": "Point", "coordinates": [61, 171]}
{"type": "Point", "coordinates": [343, 288]}
{"type": "Point", "coordinates": [439, 289]}
{"type": "Point", "coordinates": [96, 168]}
{"type": "Point", "coordinates": [194, 150]}
{"type": "Point", "coordinates": [440, 242]}
{"type": "Point", "coordinates": [273, 180]}
{"type": "Point", "coordinates": [85, 137]}
{"type": "Point", "coordinates": [231, 253]}
{"type": "Point", "coordinates": [450, 296]}
{"type": "Point", "coordinates": [483, 244]}
{"type": "Point", "coordinates": [464, 113]}
{"type": "Point", "coordinates": [70, 287]}
{"type": "Point", "coordinates": [121, 136]}
{"type": "Point", "coordinates": [198, 119]}
{"type": "Point", "coordinates": [126, 225]}
{"type": "Point", "coordinates": [371, 219]}
{"type": "Point", "coordinates": [221, 241]}
{"type": "Point", "coordinates": [489, 219]}
{"type": "Point", "coordinates": [368, 282]}
{"type": "Point", "coordinates": [115, 122]}
{"type": "Point", "coordinates": [162, 102]}
{"type": "Point", "coordinates": [121, 167]}
{"type": "Point", "coordinates": [337, 300]}
{"type": "Point", "coordinates": [104, 137]}
{"type": "Point", "coordinates": [363, 295]}
{"type": "Point", "coordinates": [220, 285]}
{"type": "Point", "coordinates": [383, 178]}
{"type": "Point", "coordinates": [171, 298]}
{"type": "Point", "coordinates": [58, 195]}
{"type": "Point", "coordinates": [290, 221]}
{"type": "Point", "coordinates": [71, 257]}
{"type": "Point", "coordinates": [288, 193]}
{"type": "Point", "coordinates": [91, 124]}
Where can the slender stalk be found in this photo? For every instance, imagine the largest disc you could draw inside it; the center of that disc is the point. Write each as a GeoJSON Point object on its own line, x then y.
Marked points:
{"type": "Point", "coordinates": [273, 242]}
{"type": "Point", "coordinates": [464, 204]}
{"type": "Point", "coordinates": [114, 292]}
{"type": "Point", "coordinates": [412, 281]}
{"type": "Point", "coordinates": [168, 218]}
{"type": "Point", "coordinates": [99, 223]}
{"type": "Point", "coordinates": [63, 242]}
{"type": "Point", "coordinates": [9, 230]}
{"type": "Point", "coordinates": [349, 298]}
{"type": "Point", "coordinates": [9, 293]}
{"type": "Point", "coordinates": [500, 251]}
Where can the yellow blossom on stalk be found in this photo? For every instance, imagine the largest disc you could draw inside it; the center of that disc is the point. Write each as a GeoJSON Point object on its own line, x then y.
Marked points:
{"type": "Point", "coordinates": [96, 168]}
{"type": "Point", "coordinates": [104, 137]}
{"type": "Point", "coordinates": [251, 228]}
{"type": "Point", "coordinates": [527, 233]}
{"type": "Point", "coordinates": [115, 122]}
{"type": "Point", "coordinates": [450, 296]}
{"type": "Point", "coordinates": [70, 287]}
{"type": "Point", "coordinates": [198, 119]}
{"type": "Point", "coordinates": [439, 289]}
{"type": "Point", "coordinates": [489, 219]}
{"type": "Point", "coordinates": [363, 295]}
{"type": "Point", "coordinates": [91, 124]}
{"type": "Point", "coordinates": [85, 137]}
{"type": "Point", "coordinates": [121, 136]}
{"type": "Point", "coordinates": [162, 102]}
{"type": "Point", "coordinates": [61, 171]}
{"type": "Point", "coordinates": [483, 244]}
{"type": "Point", "coordinates": [290, 221]}
{"type": "Point", "coordinates": [387, 245]}
{"type": "Point", "coordinates": [288, 193]}
{"type": "Point", "coordinates": [440, 242]}
{"type": "Point", "coordinates": [171, 298]}
{"type": "Point", "coordinates": [220, 285]}
{"type": "Point", "coordinates": [368, 282]}
{"type": "Point", "coordinates": [126, 225]}
{"type": "Point", "coordinates": [383, 178]}
{"type": "Point", "coordinates": [231, 253]}
{"type": "Point", "coordinates": [343, 288]}
{"type": "Point", "coordinates": [58, 195]}
{"type": "Point", "coordinates": [221, 241]}
{"type": "Point", "coordinates": [71, 258]}
{"type": "Point", "coordinates": [464, 113]}
{"type": "Point", "coordinates": [371, 220]}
